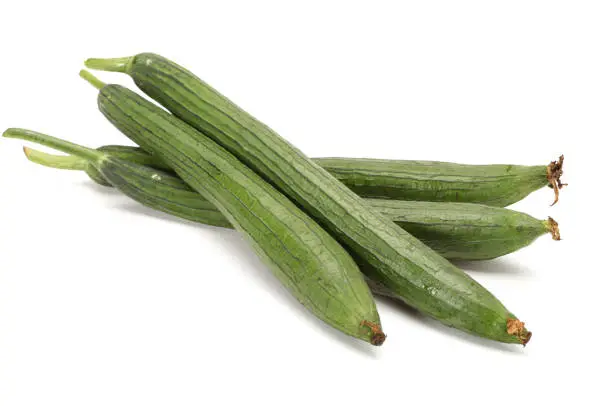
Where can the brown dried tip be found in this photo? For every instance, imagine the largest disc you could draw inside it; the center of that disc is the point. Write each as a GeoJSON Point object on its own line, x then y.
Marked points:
{"type": "Point", "coordinates": [517, 328]}
{"type": "Point", "coordinates": [378, 337]}
{"type": "Point", "coordinates": [554, 170]}
{"type": "Point", "coordinates": [553, 228]}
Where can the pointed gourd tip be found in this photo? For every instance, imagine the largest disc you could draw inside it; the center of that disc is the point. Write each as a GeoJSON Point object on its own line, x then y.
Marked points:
{"type": "Point", "coordinates": [27, 151]}
{"type": "Point", "coordinates": [377, 337]}
{"type": "Point", "coordinates": [554, 170]}
{"type": "Point", "coordinates": [553, 228]}
{"type": "Point", "coordinates": [516, 328]}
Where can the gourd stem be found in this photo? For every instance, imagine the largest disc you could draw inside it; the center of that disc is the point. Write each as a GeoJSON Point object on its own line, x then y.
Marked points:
{"type": "Point", "coordinates": [554, 170]}
{"type": "Point", "coordinates": [61, 145]}
{"type": "Point", "coordinates": [553, 228]}
{"type": "Point", "coordinates": [94, 81]}
{"type": "Point", "coordinates": [517, 328]}
{"type": "Point", "coordinates": [110, 64]}
{"type": "Point", "coordinates": [377, 337]}
{"type": "Point", "coordinates": [69, 162]}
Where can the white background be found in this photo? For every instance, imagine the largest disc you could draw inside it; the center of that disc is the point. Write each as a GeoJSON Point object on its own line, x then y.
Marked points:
{"type": "Point", "coordinates": [103, 302]}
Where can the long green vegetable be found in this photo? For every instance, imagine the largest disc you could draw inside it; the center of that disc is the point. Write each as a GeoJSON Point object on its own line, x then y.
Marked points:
{"type": "Point", "coordinates": [311, 264]}
{"type": "Point", "coordinates": [493, 185]}
{"type": "Point", "coordinates": [398, 261]}
{"type": "Point", "coordinates": [464, 231]}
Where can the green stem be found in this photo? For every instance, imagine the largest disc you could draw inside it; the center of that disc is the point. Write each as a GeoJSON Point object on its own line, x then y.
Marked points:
{"type": "Point", "coordinates": [69, 162]}
{"type": "Point", "coordinates": [61, 145]}
{"type": "Point", "coordinates": [110, 64]}
{"type": "Point", "coordinates": [95, 82]}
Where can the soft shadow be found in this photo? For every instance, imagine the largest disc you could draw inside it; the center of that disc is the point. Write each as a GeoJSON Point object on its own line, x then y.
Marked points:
{"type": "Point", "coordinates": [136, 208]}
{"type": "Point", "coordinates": [105, 190]}
{"type": "Point", "coordinates": [271, 284]}
{"type": "Point", "coordinates": [240, 248]}
{"type": "Point", "coordinates": [267, 280]}
{"type": "Point", "coordinates": [414, 314]}
{"type": "Point", "coordinates": [494, 266]}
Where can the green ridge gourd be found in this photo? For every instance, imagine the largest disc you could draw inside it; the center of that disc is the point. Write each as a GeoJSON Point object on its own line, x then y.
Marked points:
{"type": "Point", "coordinates": [457, 231]}
{"type": "Point", "coordinates": [311, 264]}
{"type": "Point", "coordinates": [401, 263]}
{"type": "Point", "coordinates": [494, 185]}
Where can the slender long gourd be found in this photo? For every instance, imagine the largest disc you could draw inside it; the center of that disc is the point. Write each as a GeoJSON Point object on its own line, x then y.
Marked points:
{"type": "Point", "coordinates": [457, 231]}
{"type": "Point", "coordinates": [497, 185]}
{"type": "Point", "coordinates": [433, 181]}
{"type": "Point", "coordinates": [306, 259]}
{"type": "Point", "coordinates": [414, 272]}
{"type": "Point", "coordinates": [493, 185]}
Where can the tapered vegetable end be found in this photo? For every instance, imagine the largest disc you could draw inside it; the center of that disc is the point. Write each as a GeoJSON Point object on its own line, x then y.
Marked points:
{"type": "Point", "coordinates": [94, 81]}
{"type": "Point", "coordinates": [27, 151]}
{"type": "Point", "coordinates": [554, 170]}
{"type": "Point", "coordinates": [8, 133]}
{"type": "Point", "coordinates": [122, 65]}
{"type": "Point", "coordinates": [516, 328]}
{"type": "Point", "coordinates": [553, 228]}
{"type": "Point", "coordinates": [377, 337]}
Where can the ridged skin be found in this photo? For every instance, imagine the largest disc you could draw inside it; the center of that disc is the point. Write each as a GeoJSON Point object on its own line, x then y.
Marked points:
{"type": "Point", "coordinates": [430, 181]}
{"type": "Point", "coordinates": [133, 154]}
{"type": "Point", "coordinates": [136, 155]}
{"type": "Point", "coordinates": [163, 192]}
{"type": "Point", "coordinates": [493, 185]}
{"type": "Point", "coordinates": [307, 260]}
{"type": "Point", "coordinates": [464, 231]}
{"type": "Point", "coordinates": [96, 176]}
{"type": "Point", "coordinates": [457, 231]}
{"type": "Point", "coordinates": [400, 262]}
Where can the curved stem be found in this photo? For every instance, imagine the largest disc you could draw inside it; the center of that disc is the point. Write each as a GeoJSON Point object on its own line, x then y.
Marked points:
{"type": "Point", "coordinates": [94, 81]}
{"type": "Point", "coordinates": [110, 64]}
{"type": "Point", "coordinates": [61, 145]}
{"type": "Point", "coordinates": [69, 162]}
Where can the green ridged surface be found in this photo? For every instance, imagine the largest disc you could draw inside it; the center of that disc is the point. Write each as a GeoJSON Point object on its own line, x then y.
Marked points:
{"type": "Point", "coordinates": [400, 262]}
{"type": "Point", "coordinates": [464, 231]}
{"type": "Point", "coordinates": [96, 176]}
{"type": "Point", "coordinates": [457, 231]}
{"type": "Point", "coordinates": [136, 155]}
{"type": "Point", "coordinates": [133, 154]}
{"type": "Point", "coordinates": [493, 185]}
{"type": "Point", "coordinates": [431, 181]}
{"type": "Point", "coordinates": [307, 260]}
{"type": "Point", "coordinates": [162, 192]}
{"type": "Point", "coordinates": [447, 224]}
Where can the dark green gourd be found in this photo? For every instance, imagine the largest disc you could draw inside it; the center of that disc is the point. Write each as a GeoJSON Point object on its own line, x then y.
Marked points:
{"type": "Point", "coordinates": [403, 264]}
{"type": "Point", "coordinates": [458, 231]}
{"type": "Point", "coordinates": [311, 264]}
{"type": "Point", "coordinates": [432, 181]}
{"type": "Point", "coordinates": [493, 185]}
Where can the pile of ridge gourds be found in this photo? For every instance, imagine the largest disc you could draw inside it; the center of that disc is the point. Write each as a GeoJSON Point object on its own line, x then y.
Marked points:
{"type": "Point", "coordinates": [332, 230]}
